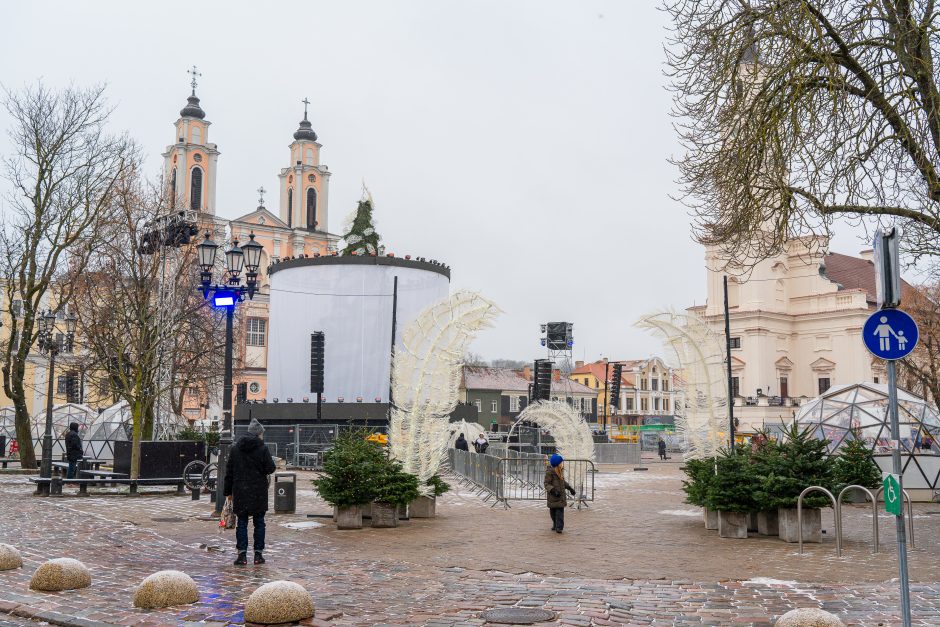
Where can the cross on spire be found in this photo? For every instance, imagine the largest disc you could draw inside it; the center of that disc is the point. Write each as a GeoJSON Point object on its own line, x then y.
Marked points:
{"type": "Point", "coordinates": [261, 191]}
{"type": "Point", "coordinates": [306, 102]}
{"type": "Point", "coordinates": [195, 73]}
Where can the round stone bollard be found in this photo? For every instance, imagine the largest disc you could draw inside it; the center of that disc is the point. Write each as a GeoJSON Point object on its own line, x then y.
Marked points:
{"type": "Point", "coordinates": [278, 602]}
{"type": "Point", "coordinates": [60, 574]}
{"type": "Point", "coordinates": [166, 588]}
{"type": "Point", "coordinates": [808, 617]}
{"type": "Point", "coordinates": [10, 558]}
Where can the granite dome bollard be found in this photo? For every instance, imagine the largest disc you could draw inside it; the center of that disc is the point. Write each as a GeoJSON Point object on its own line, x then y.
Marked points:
{"type": "Point", "coordinates": [60, 574]}
{"type": "Point", "coordinates": [278, 602]}
{"type": "Point", "coordinates": [10, 557]}
{"type": "Point", "coordinates": [809, 617]}
{"type": "Point", "coordinates": [166, 588]}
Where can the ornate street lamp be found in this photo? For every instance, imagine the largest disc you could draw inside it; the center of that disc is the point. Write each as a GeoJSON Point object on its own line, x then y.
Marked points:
{"type": "Point", "coordinates": [226, 295]}
{"type": "Point", "coordinates": [48, 345]}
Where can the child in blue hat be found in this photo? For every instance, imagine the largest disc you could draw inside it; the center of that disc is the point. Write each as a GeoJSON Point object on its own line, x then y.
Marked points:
{"type": "Point", "coordinates": [555, 486]}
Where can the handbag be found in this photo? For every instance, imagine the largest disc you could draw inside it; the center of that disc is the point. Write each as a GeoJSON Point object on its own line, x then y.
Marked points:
{"type": "Point", "coordinates": [227, 519]}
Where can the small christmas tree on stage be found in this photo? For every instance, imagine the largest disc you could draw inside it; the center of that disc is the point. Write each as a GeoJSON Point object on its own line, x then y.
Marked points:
{"type": "Point", "coordinates": [361, 237]}
{"type": "Point", "coordinates": [856, 465]}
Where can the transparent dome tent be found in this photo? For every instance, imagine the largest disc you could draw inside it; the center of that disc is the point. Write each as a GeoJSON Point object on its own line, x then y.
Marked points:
{"type": "Point", "coordinates": [7, 427]}
{"type": "Point", "coordinates": [62, 417]}
{"type": "Point", "coordinates": [861, 411]}
{"type": "Point", "coordinates": [112, 425]}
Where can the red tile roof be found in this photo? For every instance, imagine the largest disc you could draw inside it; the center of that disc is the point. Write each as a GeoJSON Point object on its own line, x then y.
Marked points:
{"type": "Point", "coordinates": [854, 273]}
{"type": "Point", "coordinates": [597, 369]}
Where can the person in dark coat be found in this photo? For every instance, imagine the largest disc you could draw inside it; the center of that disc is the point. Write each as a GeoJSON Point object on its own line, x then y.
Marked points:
{"type": "Point", "coordinates": [662, 449]}
{"type": "Point", "coordinates": [246, 485]}
{"type": "Point", "coordinates": [73, 449]}
{"type": "Point", "coordinates": [555, 486]}
{"type": "Point", "coordinates": [461, 444]}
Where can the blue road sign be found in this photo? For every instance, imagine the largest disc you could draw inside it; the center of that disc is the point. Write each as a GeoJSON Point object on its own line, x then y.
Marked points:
{"type": "Point", "coordinates": [890, 334]}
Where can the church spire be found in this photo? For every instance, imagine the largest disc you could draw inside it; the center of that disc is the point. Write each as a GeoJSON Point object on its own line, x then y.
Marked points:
{"type": "Point", "coordinates": [192, 108]}
{"type": "Point", "coordinates": [305, 130]}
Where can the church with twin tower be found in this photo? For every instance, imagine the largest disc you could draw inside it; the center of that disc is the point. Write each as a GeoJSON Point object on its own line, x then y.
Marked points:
{"type": "Point", "coordinates": [299, 227]}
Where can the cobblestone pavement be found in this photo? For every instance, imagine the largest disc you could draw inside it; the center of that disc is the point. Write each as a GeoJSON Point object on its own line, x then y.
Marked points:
{"type": "Point", "coordinates": [637, 556]}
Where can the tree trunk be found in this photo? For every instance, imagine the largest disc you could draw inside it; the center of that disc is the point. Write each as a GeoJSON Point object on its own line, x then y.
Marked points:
{"type": "Point", "coordinates": [147, 429]}
{"type": "Point", "coordinates": [24, 427]}
{"type": "Point", "coordinates": [138, 419]}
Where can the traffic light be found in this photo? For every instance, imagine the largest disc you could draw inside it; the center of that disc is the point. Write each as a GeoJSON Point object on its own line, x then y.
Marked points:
{"type": "Point", "coordinates": [542, 378]}
{"type": "Point", "coordinates": [614, 394]}
{"type": "Point", "coordinates": [317, 358]}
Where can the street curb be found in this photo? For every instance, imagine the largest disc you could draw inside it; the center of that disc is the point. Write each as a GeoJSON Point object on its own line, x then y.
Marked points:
{"type": "Point", "coordinates": [21, 610]}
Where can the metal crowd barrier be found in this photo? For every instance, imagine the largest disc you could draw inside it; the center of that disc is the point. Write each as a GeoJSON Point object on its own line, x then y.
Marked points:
{"type": "Point", "coordinates": [519, 476]}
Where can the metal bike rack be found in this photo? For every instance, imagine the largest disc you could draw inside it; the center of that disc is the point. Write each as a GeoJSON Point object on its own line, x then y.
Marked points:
{"type": "Point", "coordinates": [874, 511]}
{"type": "Point", "coordinates": [910, 512]}
{"type": "Point", "coordinates": [835, 507]}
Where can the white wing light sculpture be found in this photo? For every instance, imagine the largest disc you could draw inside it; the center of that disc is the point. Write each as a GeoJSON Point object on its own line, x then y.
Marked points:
{"type": "Point", "coordinates": [470, 430]}
{"type": "Point", "coordinates": [698, 351]}
{"type": "Point", "coordinates": [426, 377]}
{"type": "Point", "coordinates": [572, 434]}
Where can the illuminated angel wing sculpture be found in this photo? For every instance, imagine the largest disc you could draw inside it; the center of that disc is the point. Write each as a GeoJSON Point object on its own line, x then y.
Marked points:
{"type": "Point", "coordinates": [572, 434]}
{"type": "Point", "coordinates": [426, 377]}
{"type": "Point", "coordinates": [698, 351]}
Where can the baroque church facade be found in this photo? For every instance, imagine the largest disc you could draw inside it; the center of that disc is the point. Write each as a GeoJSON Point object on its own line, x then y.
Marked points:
{"type": "Point", "coordinates": [298, 227]}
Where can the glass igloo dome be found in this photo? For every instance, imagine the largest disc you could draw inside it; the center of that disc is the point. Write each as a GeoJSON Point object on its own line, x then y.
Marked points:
{"type": "Point", "coordinates": [7, 427]}
{"type": "Point", "coordinates": [861, 411]}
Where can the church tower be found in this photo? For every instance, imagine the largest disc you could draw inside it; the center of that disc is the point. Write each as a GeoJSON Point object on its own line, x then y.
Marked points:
{"type": "Point", "coordinates": [191, 164]}
{"type": "Point", "coordinates": [304, 184]}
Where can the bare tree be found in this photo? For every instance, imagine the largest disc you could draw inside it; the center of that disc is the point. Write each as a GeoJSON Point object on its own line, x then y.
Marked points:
{"type": "Point", "coordinates": [920, 371]}
{"type": "Point", "coordinates": [796, 112]}
{"type": "Point", "coordinates": [63, 168]}
{"type": "Point", "coordinates": [139, 309]}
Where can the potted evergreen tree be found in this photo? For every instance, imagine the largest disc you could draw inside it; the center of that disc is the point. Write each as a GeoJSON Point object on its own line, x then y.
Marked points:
{"type": "Point", "coordinates": [801, 461]}
{"type": "Point", "coordinates": [765, 456]}
{"type": "Point", "coordinates": [731, 492]}
{"type": "Point", "coordinates": [700, 473]}
{"type": "Point", "coordinates": [426, 506]}
{"type": "Point", "coordinates": [393, 488]}
{"type": "Point", "coordinates": [855, 465]}
{"type": "Point", "coordinates": [351, 470]}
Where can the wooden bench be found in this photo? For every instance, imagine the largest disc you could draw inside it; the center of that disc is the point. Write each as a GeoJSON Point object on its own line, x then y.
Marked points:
{"type": "Point", "coordinates": [54, 485]}
{"type": "Point", "coordinates": [107, 475]}
{"type": "Point", "coordinates": [6, 460]}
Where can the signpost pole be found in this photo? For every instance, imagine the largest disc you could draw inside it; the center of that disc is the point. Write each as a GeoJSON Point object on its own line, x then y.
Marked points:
{"type": "Point", "coordinates": [896, 468]}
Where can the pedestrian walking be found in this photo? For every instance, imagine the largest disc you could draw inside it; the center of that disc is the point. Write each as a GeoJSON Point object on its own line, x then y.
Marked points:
{"type": "Point", "coordinates": [461, 444]}
{"type": "Point", "coordinates": [74, 451]}
{"type": "Point", "coordinates": [481, 444]}
{"type": "Point", "coordinates": [662, 449]}
{"type": "Point", "coordinates": [555, 486]}
{"type": "Point", "coordinates": [246, 485]}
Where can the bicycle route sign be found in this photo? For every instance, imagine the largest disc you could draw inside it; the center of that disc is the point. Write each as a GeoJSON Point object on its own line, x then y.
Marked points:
{"type": "Point", "coordinates": [890, 334]}
{"type": "Point", "coordinates": [892, 493]}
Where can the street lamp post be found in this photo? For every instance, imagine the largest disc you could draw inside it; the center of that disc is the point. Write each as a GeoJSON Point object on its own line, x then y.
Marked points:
{"type": "Point", "coordinates": [226, 295]}
{"type": "Point", "coordinates": [49, 346]}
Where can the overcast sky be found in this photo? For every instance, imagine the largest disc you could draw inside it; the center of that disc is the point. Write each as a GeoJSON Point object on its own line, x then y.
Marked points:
{"type": "Point", "coordinates": [523, 143]}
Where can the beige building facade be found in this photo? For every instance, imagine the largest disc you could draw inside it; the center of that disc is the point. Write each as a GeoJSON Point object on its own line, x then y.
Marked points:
{"type": "Point", "coordinates": [796, 323]}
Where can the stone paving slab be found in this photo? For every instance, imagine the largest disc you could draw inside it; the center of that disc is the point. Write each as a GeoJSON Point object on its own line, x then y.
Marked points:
{"type": "Point", "coordinates": [621, 562]}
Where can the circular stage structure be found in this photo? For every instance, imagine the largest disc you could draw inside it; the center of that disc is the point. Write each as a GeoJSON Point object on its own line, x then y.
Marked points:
{"type": "Point", "coordinates": [353, 301]}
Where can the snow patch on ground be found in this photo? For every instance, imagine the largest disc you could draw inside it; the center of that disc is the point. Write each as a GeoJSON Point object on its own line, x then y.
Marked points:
{"type": "Point", "coordinates": [682, 512]}
{"type": "Point", "coordinates": [767, 581]}
{"type": "Point", "coordinates": [310, 524]}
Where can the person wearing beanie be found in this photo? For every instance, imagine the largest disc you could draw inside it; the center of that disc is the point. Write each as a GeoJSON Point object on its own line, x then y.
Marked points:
{"type": "Point", "coordinates": [246, 485]}
{"type": "Point", "coordinates": [555, 486]}
{"type": "Point", "coordinates": [74, 451]}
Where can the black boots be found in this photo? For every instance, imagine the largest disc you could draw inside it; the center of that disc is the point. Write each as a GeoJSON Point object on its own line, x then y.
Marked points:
{"type": "Point", "coordinates": [259, 558]}
{"type": "Point", "coordinates": [242, 559]}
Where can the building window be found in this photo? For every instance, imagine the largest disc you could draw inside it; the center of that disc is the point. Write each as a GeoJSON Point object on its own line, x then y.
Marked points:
{"type": "Point", "coordinates": [195, 190]}
{"type": "Point", "coordinates": [735, 387]}
{"type": "Point", "coordinates": [655, 384]}
{"type": "Point", "coordinates": [665, 404]}
{"type": "Point", "coordinates": [656, 404]}
{"type": "Point", "coordinates": [173, 190]}
{"type": "Point", "coordinates": [256, 331]}
{"type": "Point", "coordinates": [876, 380]}
{"type": "Point", "coordinates": [309, 156]}
{"type": "Point", "coordinates": [823, 384]}
{"type": "Point", "coordinates": [254, 387]}
{"type": "Point", "coordinates": [479, 406]}
{"type": "Point", "coordinates": [628, 404]}
{"type": "Point", "coordinates": [290, 206]}
{"type": "Point", "coordinates": [735, 342]}
{"type": "Point", "coordinates": [644, 405]}
{"type": "Point", "coordinates": [644, 384]}
{"type": "Point", "coordinates": [68, 386]}
{"type": "Point", "coordinates": [784, 387]}
{"type": "Point", "coordinates": [597, 384]}
{"type": "Point", "coordinates": [311, 208]}
{"type": "Point", "coordinates": [513, 404]}
{"type": "Point", "coordinates": [665, 385]}
{"type": "Point", "coordinates": [494, 406]}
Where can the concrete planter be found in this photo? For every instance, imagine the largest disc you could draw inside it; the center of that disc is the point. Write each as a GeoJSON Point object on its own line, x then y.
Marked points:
{"type": "Point", "coordinates": [711, 519]}
{"type": "Point", "coordinates": [384, 515]}
{"type": "Point", "coordinates": [767, 523]}
{"type": "Point", "coordinates": [732, 525]}
{"type": "Point", "coordinates": [752, 521]}
{"type": "Point", "coordinates": [349, 517]}
{"type": "Point", "coordinates": [423, 507]}
{"type": "Point", "coordinates": [812, 524]}
{"type": "Point", "coordinates": [403, 512]}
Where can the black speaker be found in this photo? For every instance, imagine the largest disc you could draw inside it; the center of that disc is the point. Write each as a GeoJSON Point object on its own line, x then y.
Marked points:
{"type": "Point", "coordinates": [317, 358]}
{"type": "Point", "coordinates": [614, 395]}
{"type": "Point", "coordinates": [542, 377]}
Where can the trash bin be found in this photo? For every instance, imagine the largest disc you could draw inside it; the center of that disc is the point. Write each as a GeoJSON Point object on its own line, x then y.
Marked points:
{"type": "Point", "coordinates": [285, 492]}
